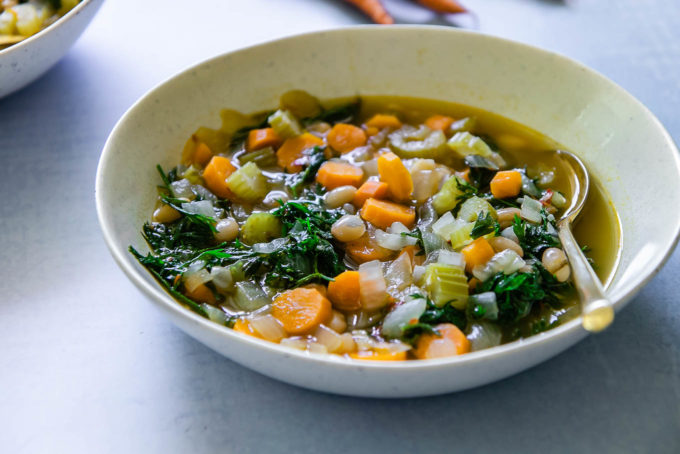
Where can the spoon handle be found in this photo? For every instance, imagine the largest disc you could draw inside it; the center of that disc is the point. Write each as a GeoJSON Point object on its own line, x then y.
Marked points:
{"type": "Point", "coordinates": [596, 309]}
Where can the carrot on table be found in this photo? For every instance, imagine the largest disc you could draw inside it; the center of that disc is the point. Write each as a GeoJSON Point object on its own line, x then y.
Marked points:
{"type": "Point", "coordinates": [440, 122]}
{"type": "Point", "coordinates": [383, 214]}
{"type": "Point", "coordinates": [333, 174]}
{"type": "Point", "coordinates": [506, 183]}
{"type": "Point", "coordinates": [261, 138]}
{"type": "Point", "coordinates": [450, 342]}
{"type": "Point", "coordinates": [344, 137]}
{"type": "Point", "coordinates": [365, 250]}
{"type": "Point", "coordinates": [215, 175]}
{"type": "Point", "coordinates": [373, 9]}
{"type": "Point", "coordinates": [378, 355]}
{"type": "Point", "coordinates": [301, 310]}
{"type": "Point", "coordinates": [293, 149]}
{"type": "Point", "coordinates": [344, 291]}
{"type": "Point", "coordinates": [393, 172]}
{"type": "Point", "coordinates": [443, 6]}
{"type": "Point", "coordinates": [382, 121]}
{"type": "Point", "coordinates": [370, 189]}
{"type": "Point", "coordinates": [477, 253]}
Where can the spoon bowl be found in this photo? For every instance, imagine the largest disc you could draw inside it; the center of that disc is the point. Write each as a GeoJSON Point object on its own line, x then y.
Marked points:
{"type": "Point", "coordinates": [597, 311]}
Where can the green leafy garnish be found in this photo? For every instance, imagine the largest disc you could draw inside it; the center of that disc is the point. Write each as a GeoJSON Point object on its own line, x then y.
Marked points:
{"type": "Point", "coordinates": [413, 331]}
{"type": "Point", "coordinates": [484, 225]}
{"type": "Point", "coordinates": [535, 238]}
{"type": "Point", "coordinates": [315, 157]}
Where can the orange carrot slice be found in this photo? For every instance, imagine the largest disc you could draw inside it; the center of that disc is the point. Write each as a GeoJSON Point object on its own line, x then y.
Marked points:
{"type": "Point", "coordinates": [345, 138]}
{"type": "Point", "coordinates": [261, 138]}
{"type": "Point", "coordinates": [344, 291]}
{"type": "Point", "coordinates": [383, 214]}
{"type": "Point", "coordinates": [301, 310]}
{"type": "Point", "coordinates": [450, 342]}
{"type": "Point", "coordinates": [215, 175]}
{"type": "Point", "coordinates": [382, 121]}
{"type": "Point", "coordinates": [293, 149]}
{"type": "Point", "coordinates": [440, 122]}
{"type": "Point", "coordinates": [506, 183]}
{"type": "Point", "coordinates": [477, 253]}
{"type": "Point", "coordinates": [393, 172]}
{"type": "Point", "coordinates": [333, 174]}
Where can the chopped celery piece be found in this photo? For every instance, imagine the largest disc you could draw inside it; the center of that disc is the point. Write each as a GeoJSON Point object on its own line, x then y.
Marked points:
{"type": "Point", "coordinates": [470, 209]}
{"type": "Point", "coordinates": [214, 314]}
{"type": "Point", "coordinates": [466, 144]}
{"type": "Point", "coordinates": [285, 124]}
{"type": "Point", "coordinates": [447, 284]}
{"type": "Point", "coordinates": [8, 23]}
{"type": "Point", "coordinates": [248, 183]}
{"type": "Point", "coordinates": [464, 124]}
{"type": "Point", "coordinates": [261, 228]}
{"type": "Point", "coordinates": [409, 142]}
{"type": "Point", "coordinates": [264, 157]}
{"type": "Point", "coordinates": [460, 234]}
{"type": "Point", "coordinates": [249, 296]}
{"type": "Point", "coordinates": [300, 103]}
{"type": "Point", "coordinates": [447, 197]}
{"type": "Point", "coordinates": [193, 175]}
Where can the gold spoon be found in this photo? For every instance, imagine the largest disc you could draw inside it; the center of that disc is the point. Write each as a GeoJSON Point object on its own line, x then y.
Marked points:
{"type": "Point", "coordinates": [596, 310]}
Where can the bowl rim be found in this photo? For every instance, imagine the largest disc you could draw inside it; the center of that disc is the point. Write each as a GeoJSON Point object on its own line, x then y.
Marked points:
{"type": "Point", "coordinates": [45, 31]}
{"type": "Point", "coordinates": [157, 294]}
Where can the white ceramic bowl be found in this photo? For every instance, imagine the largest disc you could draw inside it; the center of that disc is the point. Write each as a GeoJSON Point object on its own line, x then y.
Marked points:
{"type": "Point", "coordinates": [24, 62]}
{"type": "Point", "coordinates": [617, 136]}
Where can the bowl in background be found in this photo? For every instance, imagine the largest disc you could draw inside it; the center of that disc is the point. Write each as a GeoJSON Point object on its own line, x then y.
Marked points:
{"type": "Point", "coordinates": [22, 63]}
{"type": "Point", "coordinates": [573, 105]}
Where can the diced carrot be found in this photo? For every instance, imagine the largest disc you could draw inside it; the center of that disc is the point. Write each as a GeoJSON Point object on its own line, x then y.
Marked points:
{"type": "Point", "coordinates": [344, 291]}
{"type": "Point", "coordinates": [370, 189]}
{"type": "Point", "coordinates": [365, 250]}
{"type": "Point", "coordinates": [202, 155]}
{"type": "Point", "coordinates": [301, 310]}
{"type": "Point", "coordinates": [243, 326]}
{"type": "Point", "coordinates": [383, 214]}
{"type": "Point", "coordinates": [215, 175]}
{"type": "Point", "coordinates": [477, 253]}
{"type": "Point", "coordinates": [450, 342]}
{"type": "Point", "coordinates": [506, 183]}
{"type": "Point", "coordinates": [201, 294]}
{"type": "Point", "coordinates": [345, 137]}
{"type": "Point", "coordinates": [393, 172]}
{"type": "Point", "coordinates": [473, 283]}
{"type": "Point", "coordinates": [378, 355]}
{"type": "Point", "coordinates": [334, 174]}
{"type": "Point", "coordinates": [261, 138]}
{"type": "Point", "coordinates": [382, 121]}
{"type": "Point", "coordinates": [321, 288]}
{"type": "Point", "coordinates": [412, 252]}
{"type": "Point", "coordinates": [464, 174]}
{"type": "Point", "coordinates": [440, 122]}
{"type": "Point", "coordinates": [293, 149]}
{"type": "Point", "coordinates": [371, 131]}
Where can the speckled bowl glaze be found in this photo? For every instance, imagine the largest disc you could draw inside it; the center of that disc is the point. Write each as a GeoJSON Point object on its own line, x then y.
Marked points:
{"type": "Point", "coordinates": [24, 62]}
{"type": "Point", "coordinates": [550, 93]}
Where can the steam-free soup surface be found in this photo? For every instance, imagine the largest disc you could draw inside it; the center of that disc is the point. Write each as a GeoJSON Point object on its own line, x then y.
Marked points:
{"type": "Point", "coordinates": [378, 228]}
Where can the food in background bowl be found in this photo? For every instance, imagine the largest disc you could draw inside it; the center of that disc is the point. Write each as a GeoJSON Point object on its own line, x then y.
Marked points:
{"type": "Point", "coordinates": [379, 228]}
{"type": "Point", "coordinates": [20, 19]}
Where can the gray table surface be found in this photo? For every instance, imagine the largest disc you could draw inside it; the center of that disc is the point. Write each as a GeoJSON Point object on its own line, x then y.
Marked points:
{"type": "Point", "coordinates": [87, 365]}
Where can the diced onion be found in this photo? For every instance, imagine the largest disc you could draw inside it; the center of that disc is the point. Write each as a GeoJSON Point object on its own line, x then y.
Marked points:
{"type": "Point", "coordinates": [418, 273]}
{"type": "Point", "coordinates": [432, 242]}
{"type": "Point", "coordinates": [328, 338]}
{"type": "Point", "coordinates": [399, 273]}
{"type": "Point", "coordinates": [182, 189]}
{"type": "Point", "coordinates": [268, 327]}
{"type": "Point", "coordinates": [397, 227]}
{"type": "Point", "coordinates": [204, 207]}
{"type": "Point", "coordinates": [215, 314]}
{"type": "Point", "coordinates": [249, 296]}
{"type": "Point", "coordinates": [444, 225]}
{"type": "Point", "coordinates": [372, 285]}
{"type": "Point", "coordinates": [507, 262]}
{"type": "Point", "coordinates": [509, 233]}
{"type": "Point", "coordinates": [451, 258]}
{"type": "Point", "coordinates": [393, 241]}
{"type": "Point", "coordinates": [531, 210]}
{"type": "Point", "coordinates": [487, 301]}
{"type": "Point", "coordinates": [392, 347]}
{"type": "Point", "coordinates": [193, 280]}
{"type": "Point", "coordinates": [313, 347]}
{"type": "Point", "coordinates": [221, 277]}
{"type": "Point", "coordinates": [484, 335]}
{"type": "Point", "coordinates": [294, 342]}
{"type": "Point", "coordinates": [268, 248]}
{"type": "Point", "coordinates": [402, 315]}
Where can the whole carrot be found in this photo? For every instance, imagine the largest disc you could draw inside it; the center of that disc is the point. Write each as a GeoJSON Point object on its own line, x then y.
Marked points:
{"type": "Point", "coordinates": [443, 6]}
{"type": "Point", "coordinates": [373, 9]}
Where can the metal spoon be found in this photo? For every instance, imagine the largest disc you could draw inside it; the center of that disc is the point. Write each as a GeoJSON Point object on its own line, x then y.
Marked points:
{"type": "Point", "coordinates": [596, 310]}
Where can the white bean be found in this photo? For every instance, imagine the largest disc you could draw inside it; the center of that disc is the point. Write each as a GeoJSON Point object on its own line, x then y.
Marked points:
{"type": "Point", "coordinates": [165, 214]}
{"type": "Point", "coordinates": [506, 216]}
{"type": "Point", "coordinates": [500, 243]}
{"type": "Point", "coordinates": [339, 196]}
{"type": "Point", "coordinates": [272, 199]}
{"type": "Point", "coordinates": [554, 260]}
{"type": "Point", "coordinates": [348, 228]}
{"type": "Point", "coordinates": [227, 230]}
